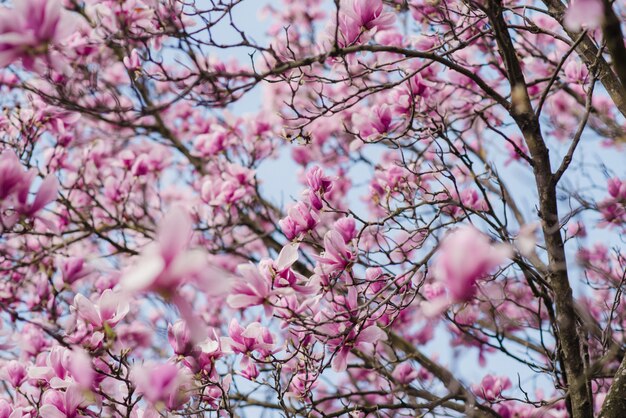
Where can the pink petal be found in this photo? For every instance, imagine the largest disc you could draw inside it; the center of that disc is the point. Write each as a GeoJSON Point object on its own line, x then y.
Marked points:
{"type": "Point", "coordinates": [584, 13]}
{"type": "Point", "coordinates": [51, 411]}
{"type": "Point", "coordinates": [288, 255]}
{"type": "Point", "coordinates": [174, 233]}
{"type": "Point", "coordinates": [372, 335]}
{"type": "Point", "coordinates": [143, 274]}
{"type": "Point", "coordinates": [46, 194]}
{"type": "Point", "coordinates": [87, 310]}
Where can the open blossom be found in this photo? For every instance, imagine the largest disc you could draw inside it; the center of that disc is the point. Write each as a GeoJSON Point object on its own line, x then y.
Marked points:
{"type": "Point", "coordinates": [584, 13]}
{"type": "Point", "coordinates": [165, 383]}
{"type": "Point", "coordinates": [74, 268]}
{"type": "Point", "coordinates": [465, 256]}
{"type": "Point", "coordinates": [365, 15]}
{"type": "Point", "coordinates": [613, 208]}
{"type": "Point", "coordinates": [57, 404]}
{"type": "Point", "coordinates": [110, 309]}
{"type": "Point", "coordinates": [14, 372]}
{"type": "Point", "coordinates": [363, 340]}
{"type": "Point", "coordinates": [405, 373]}
{"type": "Point", "coordinates": [336, 255]}
{"type": "Point", "coordinates": [375, 123]}
{"type": "Point", "coordinates": [265, 284]}
{"type": "Point", "coordinates": [254, 337]}
{"type": "Point", "coordinates": [168, 262]}
{"type": "Point", "coordinates": [491, 387]}
{"type": "Point", "coordinates": [15, 185]}
{"type": "Point", "coordinates": [32, 25]}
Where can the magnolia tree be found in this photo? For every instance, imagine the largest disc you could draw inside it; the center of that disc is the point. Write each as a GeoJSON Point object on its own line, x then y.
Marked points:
{"type": "Point", "coordinates": [454, 249]}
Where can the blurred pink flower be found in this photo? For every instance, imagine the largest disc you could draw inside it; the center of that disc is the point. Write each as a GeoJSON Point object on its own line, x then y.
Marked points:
{"type": "Point", "coordinates": [15, 185]}
{"type": "Point", "coordinates": [465, 256]}
{"type": "Point", "coordinates": [584, 13]}
{"type": "Point", "coordinates": [491, 387]}
{"type": "Point", "coordinates": [30, 27]}
{"type": "Point", "coordinates": [161, 383]}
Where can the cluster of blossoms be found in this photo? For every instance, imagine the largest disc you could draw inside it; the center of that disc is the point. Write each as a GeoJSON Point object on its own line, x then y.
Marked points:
{"type": "Point", "coordinates": [150, 265]}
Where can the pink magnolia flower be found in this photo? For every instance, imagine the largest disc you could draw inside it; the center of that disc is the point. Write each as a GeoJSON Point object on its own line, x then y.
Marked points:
{"type": "Point", "coordinates": [376, 122]}
{"type": "Point", "coordinates": [300, 219]}
{"type": "Point", "coordinates": [161, 383]}
{"type": "Point", "coordinates": [584, 13]}
{"type": "Point", "coordinates": [54, 368]}
{"type": "Point", "coordinates": [58, 404]}
{"type": "Point", "coordinates": [30, 27]}
{"type": "Point", "coordinates": [179, 338]}
{"type": "Point", "coordinates": [404, 373]}
{"type": "Point", "coordinates": [168, 262]}
{"type": "Point", "coordinates": [576, 71]}
{"type": "Point", "coordinates": [301, 385]}
{"type": "Point", "coordinates": [491, 387]}
{"type": "Point", "coordinates": [368, 14]}
{"type": "Point", "coordinates": [617, 188]}
{"type": "Point", "coordinates": [319, 184]}
{"type": "Point", "coordinates": [363, 340]}
{"type": "Point", "coordinates": [336, 255]}
{"type": "Point", "coordinates": [211, 143]}
{"type": "Point", "coordinates": [132, 62]}
{"type": "Point", "coordinates": [465, 256]}
{"type": "Point", "coordinates": [73, 269]}
{"type": "Point", "coordinates": [81, 369]}
{"type": "Point", "coordinates": [347, 228]}
{"type": "Point", "coordinates": [15, 184]}
{"type": "Point", "coordinates": [254, 337]}
{"type": "Point", "coordinates": [268, 283]}
{"type": "Point", "coordinates": [14, 372]}
{"type": "Point", "coordinates": [250, 289]}
{"type": "Point", "coordinates": [206, 353]}
{"type": "Point", "coordinates": [110, 309]}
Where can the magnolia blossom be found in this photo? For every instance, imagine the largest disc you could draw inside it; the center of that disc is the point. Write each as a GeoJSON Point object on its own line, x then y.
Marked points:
{"type": "Point", "coordinates": [584, 13]}
{"type": "Point", "coordinates": [178, 337]}
{"type": "Point", "coordinates": [15, 184]}
{"type": "Point", "coordinates": [319, 184]}
{"type": "Point", "coordinates": [300, 219]}
{"type": "Point", "coordinates": [465, 256]}
{"type": "Point", "coordinates": [253, 337]}
{"type": "Point", "coordinates": [110, 309]}
{"type": "Point", "coordinates": [265, 284]}
{"type": "Point", "coordinates": [165, 383]}
{"type": "Point", "coordinates": [30, 27]}
{"type": "Point", "coordinates": [363, 340]}
{"type": "Point", "coordinates": [491, 387]}
{"type": "Point", "coordinates": [361, 19]}
{"type": "Point", "coordinates": [168, 262]}
{"type": "Point", "coordinates": [66, 404]}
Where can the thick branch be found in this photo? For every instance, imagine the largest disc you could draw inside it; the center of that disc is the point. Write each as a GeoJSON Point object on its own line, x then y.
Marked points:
{"type": "Point", "coordinates": [614, 38]}
{"type": "Point", "coordinates": [524, 116]}
{"type": "Point", "coordinates": [615, 403]}
{"type": "Point", "coordinates": [588, 52]}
